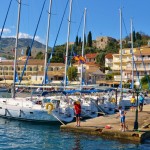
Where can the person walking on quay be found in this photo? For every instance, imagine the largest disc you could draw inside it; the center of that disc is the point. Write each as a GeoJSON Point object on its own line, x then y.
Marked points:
{"type": "Point", "coordinates": [122, 119]}
{"type": "Point", "coordinates": [132, 101]}
{"type": "Point", "coordinates": [141, 102]}
{"type": "Point", "coordinates": [77, 110]}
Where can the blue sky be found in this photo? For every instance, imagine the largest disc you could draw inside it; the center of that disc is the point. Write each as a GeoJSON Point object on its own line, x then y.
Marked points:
{"type": "Point", "coordinates": [102, 18]}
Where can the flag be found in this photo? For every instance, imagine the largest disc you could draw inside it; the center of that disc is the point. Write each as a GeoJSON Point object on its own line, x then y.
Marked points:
{"type": "Point", "coordinates": [76, 58]}
{"type": "Point", "coordinates": [82, 59]}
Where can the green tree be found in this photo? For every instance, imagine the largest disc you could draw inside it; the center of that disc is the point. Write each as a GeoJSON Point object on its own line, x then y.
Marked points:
{"type": "Point", "coordinates": [109, 76]}
{"type": "Point", "coordinates": [80, 43]}
{"type": "Point", "coordinates": [134, 36]}
{"type": "Point", "coordinates": [89, 39]}
{"type": "Point", "coordinates": [72, 73]}
{"type": "Point", "coordinates": [27, 51]}
{"type": "Point", "coordinates": [100, 59]}
{"type": "Point", "coordinates": [112, 47]}
{"type": "Point", "coordinates": [77, 41]}
{"type": "Point", "coordinates": [138, 36]}
{"type": "Point", "coordinates": [84, 40]}
{"type": "Point", "coordinates": [39, 55]}
{"type": "Point", "coordinates": [144, 79]}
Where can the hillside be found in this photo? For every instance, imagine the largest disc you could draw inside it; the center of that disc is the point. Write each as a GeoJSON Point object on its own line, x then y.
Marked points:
{"type": "Point", "coordinates": [7, 44]}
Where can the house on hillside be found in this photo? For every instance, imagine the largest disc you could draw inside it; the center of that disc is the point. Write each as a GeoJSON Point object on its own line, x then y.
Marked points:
{"type": "Point", "coordinates": [91, 57]}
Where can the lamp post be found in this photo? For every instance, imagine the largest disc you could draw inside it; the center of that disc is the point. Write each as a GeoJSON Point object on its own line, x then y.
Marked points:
{"type": "Point", "coordinates": [136, 114]}
{"type": "Point", "coordinates": [116, 96]}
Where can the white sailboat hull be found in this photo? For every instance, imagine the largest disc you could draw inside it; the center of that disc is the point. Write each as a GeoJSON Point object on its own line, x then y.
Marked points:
{"type": "Point", "coordinates": [26, 110]}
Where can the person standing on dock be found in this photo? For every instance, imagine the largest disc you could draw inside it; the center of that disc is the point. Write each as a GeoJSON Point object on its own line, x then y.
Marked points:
{"type": "Point", "coordinates": [141, 102]}
{"type": "Point", "coordinates": [132, 100]}
{"type": "Point", "coordinates": [77, 110]}
{"type": "Point", "coordinates": [122, 119]}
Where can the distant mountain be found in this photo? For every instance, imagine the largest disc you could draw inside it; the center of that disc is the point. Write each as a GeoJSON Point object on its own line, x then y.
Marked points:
{"type": "Point", "coordinates": [8, 44]}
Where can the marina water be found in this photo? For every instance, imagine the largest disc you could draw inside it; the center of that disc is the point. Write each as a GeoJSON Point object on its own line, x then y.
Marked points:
{"type": "Point", "coordinates": [21, 135]}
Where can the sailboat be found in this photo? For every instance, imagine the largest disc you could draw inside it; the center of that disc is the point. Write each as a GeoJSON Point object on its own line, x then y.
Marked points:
{"type": "Point", "coordinates": [88, 108]}
{"type": "Point", "coordinates": [38, 108]}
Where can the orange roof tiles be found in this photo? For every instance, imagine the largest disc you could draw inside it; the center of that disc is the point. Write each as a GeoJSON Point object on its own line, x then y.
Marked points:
{"type": "Point", "coordinates": [109, 56]}
{"type": "Point", "coordinates": [30, 62]}
{"type": "Point", "coordinates": [91, 55]}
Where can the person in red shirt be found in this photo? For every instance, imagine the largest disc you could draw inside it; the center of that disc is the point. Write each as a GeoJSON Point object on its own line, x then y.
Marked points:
{"type": "Point", "coordinates": [77, 110]}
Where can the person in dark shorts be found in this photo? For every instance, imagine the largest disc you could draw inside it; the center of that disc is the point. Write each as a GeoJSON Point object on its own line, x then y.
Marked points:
{"type": "Point", "coordinates": [122, 119]}
{"type": "Point", "coordinates": [141, 102]}
{"type": "Point", "coordinates": [77, 110]}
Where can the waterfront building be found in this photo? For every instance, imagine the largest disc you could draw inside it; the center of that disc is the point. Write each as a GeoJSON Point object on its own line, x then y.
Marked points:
{"type": "Point", "coordinates": [35, 70]}
{"type": "Point", "coordinates": [108, 62]}
{"type": "Point", "coordinates": [141, 62]}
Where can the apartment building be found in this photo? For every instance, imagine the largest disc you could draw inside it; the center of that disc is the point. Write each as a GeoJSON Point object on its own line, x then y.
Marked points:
{"type": "Point", "coordinates": [109, 60]}
{"type": "Point", "coordinates": [141, 62]}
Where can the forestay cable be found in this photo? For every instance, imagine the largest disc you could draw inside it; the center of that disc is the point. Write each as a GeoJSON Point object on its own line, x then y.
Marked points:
{"type": "Point", "coordinates": [32, 43]}
{"type": "Point", "coordinates": [5, 19]}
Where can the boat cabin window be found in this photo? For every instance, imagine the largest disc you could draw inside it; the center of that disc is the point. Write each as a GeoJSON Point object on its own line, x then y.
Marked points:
{"type": "Point", "coordinates": [46, 100]}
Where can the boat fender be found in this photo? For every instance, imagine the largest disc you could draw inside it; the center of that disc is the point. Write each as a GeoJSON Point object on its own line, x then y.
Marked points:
{"type": "Point", "coordinates": [49, 107]}
{"type": "Point", "coordinates": [107, 127]}
{"type": "Point", "coordinates": [113, 100]}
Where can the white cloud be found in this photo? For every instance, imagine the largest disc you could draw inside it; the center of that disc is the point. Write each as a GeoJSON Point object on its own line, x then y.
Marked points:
{"type": "Point", "coordinates": [25, 35]}
{"type": "Point", "coordinates": [6, 31]}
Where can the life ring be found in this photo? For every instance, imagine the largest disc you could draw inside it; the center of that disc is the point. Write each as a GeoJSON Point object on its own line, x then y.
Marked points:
{"type": "Point", "coordinates": [113, 100]}
{"type": "Point", "coordinates": [49, 107]}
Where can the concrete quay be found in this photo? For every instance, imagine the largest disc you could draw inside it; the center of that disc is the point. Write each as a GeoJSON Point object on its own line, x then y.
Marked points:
{"type": "Point", "coordinates": [98, 126]}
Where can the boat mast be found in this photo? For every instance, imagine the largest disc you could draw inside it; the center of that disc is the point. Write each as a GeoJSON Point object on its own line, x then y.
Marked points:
{"type": "Point", "coordinates": [67, 47]}
{"type": "Point", "coordinates": [121, 51]}
{"type": "Point", "coordinates": [132, 55]}
{"type": "Point", "coordinates": [16, 48]}
{"type": "Point", "coordinates": [47, 40]}
{"type": "Point", "coordinates": [83, 47]}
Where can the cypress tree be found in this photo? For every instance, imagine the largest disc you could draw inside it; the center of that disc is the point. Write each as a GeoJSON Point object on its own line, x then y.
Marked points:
{"type": "Point", "coordinates": [27, 51]}
{"type": "Point", "coordinates": [80, 43]}
{"type": "Point", "coordinates": [89, 40]}
{"type": "Point", "coordinates": [84, 39]}
{"type": "Point", "coordinates": [134, 36]}
{"type": "Point", "coordinates": [77, 41]}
